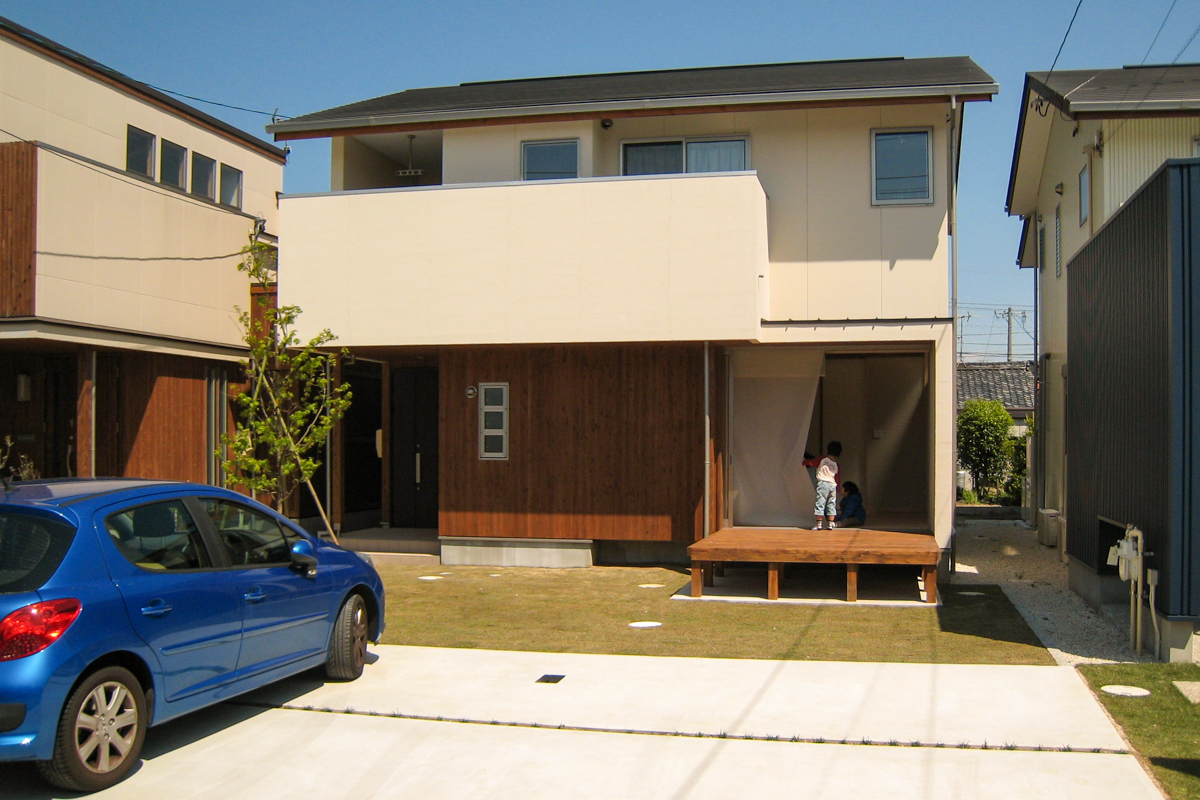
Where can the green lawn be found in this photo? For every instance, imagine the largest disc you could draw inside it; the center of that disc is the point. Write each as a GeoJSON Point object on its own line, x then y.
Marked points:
{"type": "Point", "coordinates": [1164, 727]}
{"type": "Point", "coordinates": [589, 611]}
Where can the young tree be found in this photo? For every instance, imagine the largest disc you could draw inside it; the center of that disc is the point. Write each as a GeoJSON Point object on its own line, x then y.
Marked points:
{"type": "Point", "coordinates": [983, 448]}
{"type": "Point", "coordinates": [291, 404]}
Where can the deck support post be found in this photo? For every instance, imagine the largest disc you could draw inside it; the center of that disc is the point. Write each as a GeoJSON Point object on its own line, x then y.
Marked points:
{"type": "Point", "coordinates": [930, 575]}
{"type": "Point", "coordinates": [697, 578]}
{"type": "Point", "coordinates": [773, 570]}
{"type": "Point", "coordinates": [852, 583]}
{"type": "Point", "coordinates": [708, 573]}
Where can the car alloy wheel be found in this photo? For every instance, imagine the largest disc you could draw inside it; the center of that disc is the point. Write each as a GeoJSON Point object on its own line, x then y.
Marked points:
{"type": "Point", "coordinates": [348, 647]}
{"type": "Point", "coordinates": [106, 727]}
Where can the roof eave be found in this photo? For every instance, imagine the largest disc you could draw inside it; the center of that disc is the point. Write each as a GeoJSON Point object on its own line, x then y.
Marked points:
{"type": "Point", "coordinates": [981, 91]}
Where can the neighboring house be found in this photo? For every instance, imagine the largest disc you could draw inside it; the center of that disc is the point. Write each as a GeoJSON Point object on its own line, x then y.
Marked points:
{"type": "Point", "coordinates": [122, 212]}
{"type": "Point", "coordinates": [1010, 382]}
{"type": "Point", "coordinates": [608, 313]}
{"type": "Point", "coordinates": [1086, 140]}
{"type": "Point", "coordinates": [1132, 435]}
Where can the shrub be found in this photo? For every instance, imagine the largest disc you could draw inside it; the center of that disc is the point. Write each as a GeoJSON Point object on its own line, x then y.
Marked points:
{"type": "Point", "coordinates": [984, 446]}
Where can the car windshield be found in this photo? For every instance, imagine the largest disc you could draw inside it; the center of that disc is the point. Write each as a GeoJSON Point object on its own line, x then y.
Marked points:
{"type": "Point", "coordinates": [31, 548]}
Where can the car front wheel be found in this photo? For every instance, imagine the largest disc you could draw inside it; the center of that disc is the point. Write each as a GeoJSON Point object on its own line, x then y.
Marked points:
{"type": "Point", "coordinates": [348, 648]}
{"type": "Point", "coordinates": [100, 732]}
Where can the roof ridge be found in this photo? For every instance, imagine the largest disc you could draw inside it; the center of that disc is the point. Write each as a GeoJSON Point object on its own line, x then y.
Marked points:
{"type": "Point", "coordinates": [686, 69]}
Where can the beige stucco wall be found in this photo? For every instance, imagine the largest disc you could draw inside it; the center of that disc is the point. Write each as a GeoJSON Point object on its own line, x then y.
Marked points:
{"type": "Point", "coordinates": [493, 154]}
{"type": "Point", "coordinates": [609, 260]}
{"type": "Point", "coordinates": [41, 99]}
{"type": "Point", "coordinates": [938, 341]}
{"type": "Point", "coordinates": [833, 254]}
{"type": "Point", "coordinates": [117, 253]}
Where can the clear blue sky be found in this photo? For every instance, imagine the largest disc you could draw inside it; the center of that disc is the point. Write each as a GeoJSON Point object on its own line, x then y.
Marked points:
{"type": "Point", "coordinates": [304, 56]}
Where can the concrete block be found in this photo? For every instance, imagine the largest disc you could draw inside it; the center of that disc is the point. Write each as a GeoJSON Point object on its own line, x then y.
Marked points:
{"type": "Point", "coordinates": [1097, 590]}
{"type": "Point", "coordinates": [497, 552]}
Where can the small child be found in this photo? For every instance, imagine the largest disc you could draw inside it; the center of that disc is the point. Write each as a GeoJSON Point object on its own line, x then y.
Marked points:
{"type": "Point", "coordinates": [853, 512]}
{"type": "Point", "coordinates": [829, 473]}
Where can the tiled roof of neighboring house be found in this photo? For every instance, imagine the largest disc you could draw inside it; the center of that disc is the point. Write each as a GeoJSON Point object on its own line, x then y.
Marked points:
{"type": "Point", "coordinates": [64, 54]}
{"type": "Point", "coordinates": [1010, 382]}
{"type": "Point", "coordinates": [638, 91]}
{"type": "Point", "coordinates": [1149, 89]}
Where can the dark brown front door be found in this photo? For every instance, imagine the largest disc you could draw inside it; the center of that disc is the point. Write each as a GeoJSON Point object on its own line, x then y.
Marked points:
{"type": "Point", "coordinates": [414, 448]}
{"type": "Point", "coordinates": [62, 396]}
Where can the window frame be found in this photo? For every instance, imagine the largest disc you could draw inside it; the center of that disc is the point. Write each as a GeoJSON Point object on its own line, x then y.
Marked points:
{"type": "Point", "coordinates": [185, 169]}
{"type": "Point", "coordinates": [241, 183]}
{"type": "Point", "coordinates": [929, 160]}
{"type": "Point", "coordinates": [227, 560]}
{"type": "Point", "coordinates": [684, 141]}
{"type": "Point", "coordinates": [1058, 241]}
{"type": "Point", "coordinates": [152, 160]}
{"type": "Point", "coordinates": [526, 142]}
{"type": "Point", "coordinates": [483, 409]}
{"type": "Point", "coordinates": [1085, 195]}
{"type": "Point", "coordinates": [216, 558]}
{"type": "Point", "coordinates": [212, 197]}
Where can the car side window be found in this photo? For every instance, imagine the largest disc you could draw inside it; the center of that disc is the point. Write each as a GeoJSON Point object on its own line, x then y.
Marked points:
{"type": "Point", "coordinates": [158, 536]}
{"type": "Point", "coordinates": [250, 537]}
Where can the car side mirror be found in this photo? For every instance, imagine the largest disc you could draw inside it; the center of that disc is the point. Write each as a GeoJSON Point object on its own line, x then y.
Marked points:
{"type": "Point", "coordinates": [304, 557]}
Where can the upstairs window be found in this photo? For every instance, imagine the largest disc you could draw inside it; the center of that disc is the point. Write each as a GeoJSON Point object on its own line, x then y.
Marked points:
{"type": "Point", "coordinates": [204, 182]}
{"type": "Point", "coordinates": [672, 156]}
{"type": "Point", "coordinates": [139, 152]}
{"type": "Point", "coordinates": [901, 167]}
{"type": "Point", "coordinates": [543, 161]}
{"type": "Point", "coordinates": [231, 186]}
{"type": "Point", "coordinates": [1085, 196]}
{"type": "Point", "coordinates": [172, 165]}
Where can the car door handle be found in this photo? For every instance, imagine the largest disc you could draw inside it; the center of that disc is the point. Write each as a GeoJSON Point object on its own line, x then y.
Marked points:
{"type": "Point", "coordinates": [254, 595]}
{"type": "Point", "coordinates": [156, 609]}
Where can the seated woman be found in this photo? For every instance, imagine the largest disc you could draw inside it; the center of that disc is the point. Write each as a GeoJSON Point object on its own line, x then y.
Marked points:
{"type": "Point", "coordinates": [851, 511]}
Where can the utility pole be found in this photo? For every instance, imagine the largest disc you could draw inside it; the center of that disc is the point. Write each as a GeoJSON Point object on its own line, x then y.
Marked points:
{"type": "Point", "coordinates": [1008, 315]}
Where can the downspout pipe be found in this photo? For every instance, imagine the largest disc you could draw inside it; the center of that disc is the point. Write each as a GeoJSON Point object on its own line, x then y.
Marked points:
{"type": "Point", "coordinates": [707, 515]}
{"type": "Point", "coordinates": [952, 230]}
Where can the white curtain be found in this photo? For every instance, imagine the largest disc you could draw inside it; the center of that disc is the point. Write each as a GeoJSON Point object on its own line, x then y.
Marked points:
{"type": "Point", "coordinates": [774, 390]}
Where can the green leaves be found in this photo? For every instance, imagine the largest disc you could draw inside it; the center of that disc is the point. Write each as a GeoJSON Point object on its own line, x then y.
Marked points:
{"type": "Point", "coordinates": [291, 403]}
{"type": "Point", "coordinates": [984, 448]}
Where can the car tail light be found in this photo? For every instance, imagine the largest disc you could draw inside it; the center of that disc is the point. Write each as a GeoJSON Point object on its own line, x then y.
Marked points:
{"type": "Point", "coordinates": [35, 627]}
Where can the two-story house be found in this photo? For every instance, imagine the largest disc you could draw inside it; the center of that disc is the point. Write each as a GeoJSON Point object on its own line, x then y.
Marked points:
{"type": "Point", "coordinates": [1086, 141]}
{"type": "Point", "coordinates": [122, 214]}
{"type": "Point", "coordinates": [608, 314]}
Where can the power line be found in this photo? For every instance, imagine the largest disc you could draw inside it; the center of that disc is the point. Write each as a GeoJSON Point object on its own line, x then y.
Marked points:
{"type": "Point", "coordinates": [1157, 81]}
{"type": "Point", "coordinates": [1064, 40]}
{"type": "Point", "coordinates": [272, 114]}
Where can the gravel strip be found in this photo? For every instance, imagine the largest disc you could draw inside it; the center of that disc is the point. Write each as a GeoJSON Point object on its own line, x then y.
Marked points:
{"type": "Point", "coordinates": [1008, 554]}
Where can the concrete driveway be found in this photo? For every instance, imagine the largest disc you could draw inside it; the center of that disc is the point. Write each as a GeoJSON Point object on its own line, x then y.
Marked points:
{"type": "Point", "coordinates": [450, 723]}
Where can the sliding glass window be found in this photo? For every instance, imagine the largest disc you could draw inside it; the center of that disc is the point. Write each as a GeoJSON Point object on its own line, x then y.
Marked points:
{"type": "Point", "coordinates": [544, 161]}
{"type": "Point", "coordinates": [684, 155]}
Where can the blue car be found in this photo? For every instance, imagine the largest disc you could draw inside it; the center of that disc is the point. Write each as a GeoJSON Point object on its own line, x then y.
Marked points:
{"type": "Point", "coordinates": [126, 603]}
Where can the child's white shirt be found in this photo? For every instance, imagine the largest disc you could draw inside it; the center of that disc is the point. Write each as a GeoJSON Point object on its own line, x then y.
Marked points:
{"type": "Point", "coordinates": [827, 471]}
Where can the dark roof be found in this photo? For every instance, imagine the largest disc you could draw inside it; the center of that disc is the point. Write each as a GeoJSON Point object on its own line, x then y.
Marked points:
{"type": "Point", "coordinates": [65, 54]}
{"type": "Point", "coordinates": [1010, 382]}
{"type": "Point", "coordinates": [756, 83]}
{"type": "Point", "coordinates": [1148, 89]}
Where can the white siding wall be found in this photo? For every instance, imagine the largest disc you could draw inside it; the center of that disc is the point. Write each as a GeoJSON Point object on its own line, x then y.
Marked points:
{"type": "Point", "coordinates": [1135, 148]}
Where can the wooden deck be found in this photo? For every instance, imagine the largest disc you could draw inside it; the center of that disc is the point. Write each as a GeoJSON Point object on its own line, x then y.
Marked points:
{"type": "Point", "coordinates": [778, 546]}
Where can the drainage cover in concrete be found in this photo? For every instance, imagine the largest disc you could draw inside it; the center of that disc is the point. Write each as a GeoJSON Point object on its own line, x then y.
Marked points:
{"type": "Point", "coordinates": [1125, 691]}
{"type": "Point", "coordinates": [645, 624]}
{"type": "Point", "coordinates": [650, 585]}
{"type": "Point", "coordinates": [447, 573]}
{"type": "Point", "coordinates": [430, 578]}
{"type": "Point", "coordinates": [1189, 689]}
{"type": "Point", "coordinates": [970, 594]}
{"type": "Point", "coordinates": [494, 575]}
{"type": "Point", "coordinates": [550, 679]}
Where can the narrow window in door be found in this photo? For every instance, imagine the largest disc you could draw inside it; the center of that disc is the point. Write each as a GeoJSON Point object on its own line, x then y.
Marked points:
{"type": "Point", "coordinates": [493, 421]}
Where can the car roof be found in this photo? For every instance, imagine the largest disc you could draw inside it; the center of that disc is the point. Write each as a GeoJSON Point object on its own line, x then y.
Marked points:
{"type": "Point", "coordinates": [68, 491]}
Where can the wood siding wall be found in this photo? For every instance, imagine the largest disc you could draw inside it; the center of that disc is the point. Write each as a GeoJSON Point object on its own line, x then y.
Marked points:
{"type": "Point", "coordinates": [605, 442]}
{"type": "Point", "coordinates": [162, 417]}
{"type": "Point", "coordinates": [18, 228]}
